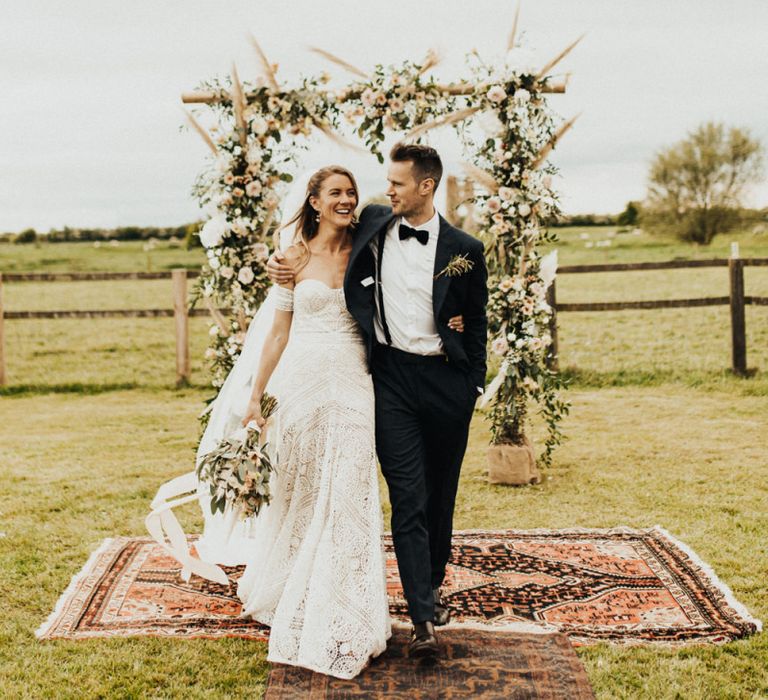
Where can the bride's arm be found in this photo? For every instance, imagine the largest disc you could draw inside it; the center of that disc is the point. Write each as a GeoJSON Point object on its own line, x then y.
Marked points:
{"type": "Point", "coordinates": [277, 339]}
{"type": "Point", "coordinates": [274, 344]}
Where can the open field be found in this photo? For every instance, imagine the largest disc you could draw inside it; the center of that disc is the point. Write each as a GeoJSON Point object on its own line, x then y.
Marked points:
{"type": "Point", "coordinates": [659, 433]}
{"type": "Point", "coordinates": [597, 348]}
{"type": "Point", "coordinates": [80, 468]}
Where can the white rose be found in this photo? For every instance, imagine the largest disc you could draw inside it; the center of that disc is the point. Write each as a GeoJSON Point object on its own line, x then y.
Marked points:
{"type": "Point", "coordinates": [253, 156]}
{"type": "Point", "coordinates": [523, 209]}
{"type": "Point", "coordinates": [261, 251]}
{"type": "Point", "coordinates": [368, 97]}
{"type": "Point", "coordinates": [489, 122]}
{"type": "Point", "coordinates": [253, 188]}
{"type": "Point", "coordinates": [227, 272]}
{"type": "Point", "coordinates": [496, 93]}
{"type": "Point", "coordinates": [522, 96]}
{"type": "Point", "coordinates": [213, 231]}
{"type": "Point", "coordinates": [499, 346]}
{"type": "Point", "coordinates": [214, 263]}
{"type": "Point", "coordinates": [245, 276]}
{"type": "Point", "coordinates": [493, 204]}
{"type": "Point", "coordinates": [259, 126]}
{"type": "Point", "coordinates": [506, 193]}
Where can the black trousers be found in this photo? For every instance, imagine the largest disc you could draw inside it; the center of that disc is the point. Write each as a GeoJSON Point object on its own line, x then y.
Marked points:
{"type": "Point", "coordinates": [423, 409]}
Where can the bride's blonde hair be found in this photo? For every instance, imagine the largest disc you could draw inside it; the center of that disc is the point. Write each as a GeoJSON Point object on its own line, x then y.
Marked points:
{"type": "Point", "coordinates": [305, 219]}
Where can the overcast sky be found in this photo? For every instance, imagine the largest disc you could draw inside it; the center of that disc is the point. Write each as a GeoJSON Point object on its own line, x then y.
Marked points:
{"type": "Point", "coordinates": [89, 125]}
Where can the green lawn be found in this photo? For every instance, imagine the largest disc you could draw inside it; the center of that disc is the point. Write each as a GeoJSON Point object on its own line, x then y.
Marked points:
{"type": "Point", "coordinates": [80, 468]}
{"type": "Point", "coordinates": [659, 433]}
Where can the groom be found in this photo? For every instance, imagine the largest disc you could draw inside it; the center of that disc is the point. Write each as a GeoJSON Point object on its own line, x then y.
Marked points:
{"type": "Point", "coordinates": [409, 272]}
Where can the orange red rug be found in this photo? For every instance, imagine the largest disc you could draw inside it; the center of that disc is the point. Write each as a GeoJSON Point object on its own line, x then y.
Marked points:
{"type": "Point", "coordinates": [620, 585]}
{"type": "Point", "coordinates": [473, 664]}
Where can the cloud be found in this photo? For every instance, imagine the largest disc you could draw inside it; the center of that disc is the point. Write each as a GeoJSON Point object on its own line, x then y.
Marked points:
{"type": "Point", "coordinates": [90, 120]}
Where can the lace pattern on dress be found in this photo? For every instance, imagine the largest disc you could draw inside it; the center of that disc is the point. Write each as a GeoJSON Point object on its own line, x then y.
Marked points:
{"type": "Point", "coordinates": [284, 299]}
{"type": "Point", "coordinates": [316, 573]}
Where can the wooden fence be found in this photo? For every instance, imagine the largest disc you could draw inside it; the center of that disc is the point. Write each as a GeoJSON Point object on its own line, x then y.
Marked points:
{"type": "Point", "coordinates": [180, 311]}
{"type": "Point", "coordinates": [736, 299]}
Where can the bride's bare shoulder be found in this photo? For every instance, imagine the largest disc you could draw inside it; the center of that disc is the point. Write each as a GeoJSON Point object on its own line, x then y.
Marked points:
{"type": "Point", "coordinates": [295, 255]}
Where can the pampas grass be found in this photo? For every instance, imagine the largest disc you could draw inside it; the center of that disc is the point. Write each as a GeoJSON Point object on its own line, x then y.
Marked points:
{"type": "Point", "coordinates": [430, 61]}
{"type": "Point", "coordinates": [553, 141]}
{"type": "Point", "coordinates": [446, 120]}
{"type": "Point", "coordinates": [482, 177]}
{"type": "Point", "coordinates": [339, 62]}
{"type": "Point", "coordinates": [203, 133]}
{"type": "Point", "coordinates": [513, 31]}
{"type": "Point", "coordinates": [217, 316]}
{"type": "Point", "coordinates": [549, 66]}
{"type": "Point", "coordinates": [238, 103]}
{"type": "Point", "coordinates": [266, 68]}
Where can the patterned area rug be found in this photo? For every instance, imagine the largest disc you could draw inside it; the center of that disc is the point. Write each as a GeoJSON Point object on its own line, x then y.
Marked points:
{"type": "Point", "coordinates": [620, 585]}
{"type": "Point", "coordinates": [473, 664]}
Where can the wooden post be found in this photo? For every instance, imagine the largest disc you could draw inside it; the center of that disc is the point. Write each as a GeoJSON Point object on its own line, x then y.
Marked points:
{"type": "Point", "coordinates": [552, 359]}
{"type": "Point", "coordinates": [738, 321]}
{"type": "Point", "coordinates": [467, 194]}
{"type": "Point", "coordinates": [451, 199]}
{"type": "Point", "coordinates": [2, 336]}
{"type": "Point", "coordinates": [181, 320]}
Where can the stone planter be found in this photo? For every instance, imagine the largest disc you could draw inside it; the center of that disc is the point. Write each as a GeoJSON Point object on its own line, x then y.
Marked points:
{"type": "Point", "coordinates": [513, 465]}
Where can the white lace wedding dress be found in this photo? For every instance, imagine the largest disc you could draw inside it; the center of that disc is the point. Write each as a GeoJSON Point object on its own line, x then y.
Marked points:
{"type": "Point", "coordinates": [316, 571]}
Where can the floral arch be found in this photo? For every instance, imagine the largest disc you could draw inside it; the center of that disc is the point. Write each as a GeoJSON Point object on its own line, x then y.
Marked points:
{"type": "Point", "coordinates": [258, 130]}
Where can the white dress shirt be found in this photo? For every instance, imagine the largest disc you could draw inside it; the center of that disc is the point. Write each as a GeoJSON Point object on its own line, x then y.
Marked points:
{"type": "Point", "coordinates": [407, 273]}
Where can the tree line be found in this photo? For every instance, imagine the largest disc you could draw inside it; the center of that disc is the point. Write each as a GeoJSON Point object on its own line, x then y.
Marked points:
{"type": "Point", "coordinates": [186, 233]}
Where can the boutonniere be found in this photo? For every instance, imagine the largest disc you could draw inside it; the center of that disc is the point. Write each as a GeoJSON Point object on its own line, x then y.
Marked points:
{"type": "Point", "coordinates": [457, 265]}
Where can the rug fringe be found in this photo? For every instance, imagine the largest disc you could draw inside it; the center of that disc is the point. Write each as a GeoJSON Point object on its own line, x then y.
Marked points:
{"type": "Point", "coordinates": [716, 581]}
{"type": "Point", "coordinates": [44, 628]}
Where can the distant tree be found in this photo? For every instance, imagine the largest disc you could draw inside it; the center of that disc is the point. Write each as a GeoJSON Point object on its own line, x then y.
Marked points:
{"type": "Point", "coordinates": [191, 237]}
{"type": "Point", "coordinates": [27, 236]}
{"type": "Point", "coordinates": [695, 186]}
{"type": "Point", "coordinates": [630, 216]}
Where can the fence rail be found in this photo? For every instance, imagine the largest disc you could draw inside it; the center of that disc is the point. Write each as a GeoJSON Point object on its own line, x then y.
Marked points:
{"type": "Point", "coordinates": [736, 299]}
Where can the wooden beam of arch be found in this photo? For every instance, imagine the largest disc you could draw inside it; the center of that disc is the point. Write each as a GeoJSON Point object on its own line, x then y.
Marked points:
{"type": "Point", "coordinates": [210, 97]}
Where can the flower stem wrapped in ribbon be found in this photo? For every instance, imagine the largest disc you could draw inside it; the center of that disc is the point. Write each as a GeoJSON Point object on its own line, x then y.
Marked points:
{"type": "Point", "coordinates": [238, 470]}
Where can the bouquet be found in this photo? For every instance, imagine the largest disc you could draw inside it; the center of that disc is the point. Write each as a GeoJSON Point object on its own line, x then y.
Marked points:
{"type": "Point", "coordinates": [239, 468]}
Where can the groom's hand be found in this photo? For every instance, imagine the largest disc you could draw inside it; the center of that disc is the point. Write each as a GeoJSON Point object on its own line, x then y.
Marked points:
{"type": "Point", "coordinates": [277, 270]}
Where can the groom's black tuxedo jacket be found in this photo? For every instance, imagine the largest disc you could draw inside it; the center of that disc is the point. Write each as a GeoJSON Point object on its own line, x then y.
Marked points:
{"type": "Point", "coordinates": [465, 294]}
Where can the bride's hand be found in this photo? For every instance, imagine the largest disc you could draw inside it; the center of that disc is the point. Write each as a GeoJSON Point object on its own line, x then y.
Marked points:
{"type": "Point", "coordinates": [253, 413]}
{"type": "Point", "coordinates": [277, 270]}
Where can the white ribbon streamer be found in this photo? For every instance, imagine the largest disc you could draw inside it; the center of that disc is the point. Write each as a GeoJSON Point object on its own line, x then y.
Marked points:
{"type": "Point", "coordinates": [168, 533]}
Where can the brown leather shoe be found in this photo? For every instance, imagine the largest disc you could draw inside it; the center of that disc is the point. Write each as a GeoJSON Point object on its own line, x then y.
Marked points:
{"type": "Point", "coordinates": [423, 642]}
{"type": "Point", "coordinates": [442, 613]}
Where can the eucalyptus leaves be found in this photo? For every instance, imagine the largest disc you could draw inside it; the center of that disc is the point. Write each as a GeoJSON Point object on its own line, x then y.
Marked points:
{"type": "Point", "coordinates": [238, 470]}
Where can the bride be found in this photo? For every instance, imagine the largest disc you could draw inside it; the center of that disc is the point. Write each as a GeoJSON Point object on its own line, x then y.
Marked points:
{"type": "Point", "coordinates": [315, 572]}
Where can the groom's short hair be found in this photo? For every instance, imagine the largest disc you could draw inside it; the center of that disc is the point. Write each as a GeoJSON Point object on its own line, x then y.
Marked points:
{"type": "Point", "coordinates": [426, 160]}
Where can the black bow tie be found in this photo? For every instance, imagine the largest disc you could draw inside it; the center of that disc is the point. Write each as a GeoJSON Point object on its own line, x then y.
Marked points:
{"type": "Point", "coordinates": [420, 235]}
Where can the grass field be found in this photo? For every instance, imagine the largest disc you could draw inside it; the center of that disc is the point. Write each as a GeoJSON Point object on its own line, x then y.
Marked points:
{"type": "Point", "coordinates": [659, 433]}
